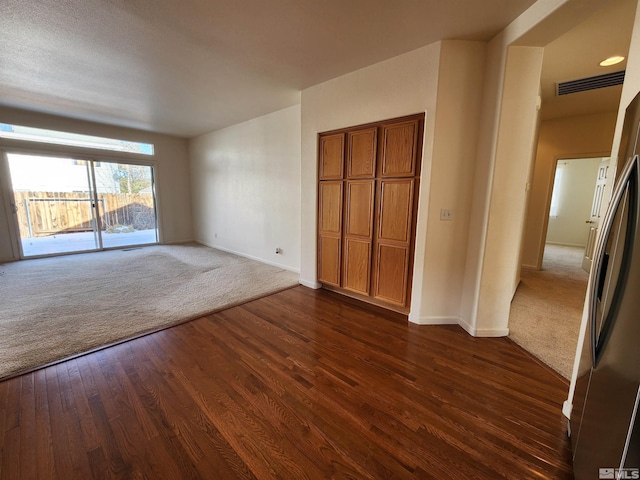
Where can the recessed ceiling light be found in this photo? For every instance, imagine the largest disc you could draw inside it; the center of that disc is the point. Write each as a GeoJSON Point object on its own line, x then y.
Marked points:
{"type": "Point", "coordinates": [611, 61]}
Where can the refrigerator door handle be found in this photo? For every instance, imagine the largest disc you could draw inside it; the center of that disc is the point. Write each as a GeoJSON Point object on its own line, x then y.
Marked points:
{"type": "Point", "coordinates": [603, 267]}
{"type": "Point", "coordinates": [628, 182]}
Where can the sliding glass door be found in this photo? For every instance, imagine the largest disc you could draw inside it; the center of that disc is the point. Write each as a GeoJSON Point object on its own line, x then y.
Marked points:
{"type": "Point", "coordinates": [126, 204]}
{"type": "Point", "coordinates": [64, 205]}
{"type": "Point", "coordinates": [53, 202]}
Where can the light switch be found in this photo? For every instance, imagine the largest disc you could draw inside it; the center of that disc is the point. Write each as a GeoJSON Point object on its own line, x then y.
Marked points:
{"type": "Point", "coordinates": [446, 214]}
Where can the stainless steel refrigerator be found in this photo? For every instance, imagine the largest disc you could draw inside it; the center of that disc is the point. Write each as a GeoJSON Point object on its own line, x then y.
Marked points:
{"type": "Point", "coordinates": [604, 424]}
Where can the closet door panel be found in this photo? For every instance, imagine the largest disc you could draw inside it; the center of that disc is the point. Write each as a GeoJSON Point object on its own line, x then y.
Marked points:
{"type": "Point", "coordinates": [361, 157]}
{"type": "Point", "coordinates": [330, 207]}
{"type": "Point", "coordinates": [330, 232]}
{"type": "Point", "coordinates": [395, 210]}
{"type": "Point", "coordinates": [357, 265]}
{"type": "Point", "coordinates": [331, 161]}
{"type": "Point", "coordinates": [358, 235]}
{"type": "Point", "coordinates": [359, 206]}
{"type": "Point", "coordinates": [329, 260]}
{"type": "Point", "coordinates": [392, 266]}
{"type": "Point", "coordinates": [393, 240]}
{"type": "Point", "coordinates": [399, 149]}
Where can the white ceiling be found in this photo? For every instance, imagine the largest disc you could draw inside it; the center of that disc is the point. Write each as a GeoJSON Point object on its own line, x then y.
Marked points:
{"type": "Point", "coordinates": [186, 67]}
{"type": "Point", "coordinates": [577, 54]}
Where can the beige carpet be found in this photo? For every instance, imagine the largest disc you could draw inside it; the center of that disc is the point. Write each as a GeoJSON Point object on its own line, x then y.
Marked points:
{"type": "Point", "coordinates": [547, 308]}
{"type": "Point", "coordinates": [54, 308]}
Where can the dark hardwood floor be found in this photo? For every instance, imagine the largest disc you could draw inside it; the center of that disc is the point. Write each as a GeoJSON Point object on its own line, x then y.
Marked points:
{"type": "Point", "coordinates": [300, 384]}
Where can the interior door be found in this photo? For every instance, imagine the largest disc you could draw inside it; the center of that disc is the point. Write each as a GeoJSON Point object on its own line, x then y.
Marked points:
{"type": "Point", "coordinates": [594, 218]}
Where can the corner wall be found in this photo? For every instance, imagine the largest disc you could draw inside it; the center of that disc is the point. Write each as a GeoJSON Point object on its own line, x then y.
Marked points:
{"type": "Point", "coordinates": [172, 170]}
{"type": "Point", "coordinates": [457, 117]}
{"type": "Point", "coordinates": [246, 188]}
{"type": "Point", "coordinates": [505, 152]}
{"type": "Point", "coordinates": [508, 196]}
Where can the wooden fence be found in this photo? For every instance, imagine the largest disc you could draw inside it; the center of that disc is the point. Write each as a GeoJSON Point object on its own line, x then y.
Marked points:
{"type": "Point", "coordinates": [47, 213]}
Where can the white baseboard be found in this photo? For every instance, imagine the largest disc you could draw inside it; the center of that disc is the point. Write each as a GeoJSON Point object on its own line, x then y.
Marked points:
{"type": "Point", "coordinates": [566, 244]}
{"type": "Point", "coordinates": [484, 332]}
{"type": "Point", "coordinates": [492, 332]}
{"type": "Point", "coordinates": [567, 408]}
{"type": "Point", "coordinates": [314, 285]}
{"type": "Point", "coordinates": [468, 328]}
{"type": "Point", "coordinates": [257, 259]}
{"type": "Point", "coordinates": [178, 242]}
{"type": "Point", "coordinates": [475, 332]}
{"type": "Point", "coordinates": [433, 320]}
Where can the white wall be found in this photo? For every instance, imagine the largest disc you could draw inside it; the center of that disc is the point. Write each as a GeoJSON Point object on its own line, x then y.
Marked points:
{"type": "Point", "coordinates": [246, 188]}
{"type": "Point", "coordinates": [504, 159]}
{"type": "Point", "coordinates": [482, 178]}
{"type": "Point", "coordinates": [457, 116]}
{"type": "Point", "coordinates": [172, 171]}
{"type": "Point", "coordinates": [574, 193]}
{"type": "Point", "coordinates": [514, 157]}
{"type": "Point", "coordinates": [631, 85]}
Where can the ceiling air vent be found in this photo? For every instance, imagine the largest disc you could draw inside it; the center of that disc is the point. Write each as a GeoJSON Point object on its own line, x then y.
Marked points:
{"type": "Point", "coordinates": [591, 83]}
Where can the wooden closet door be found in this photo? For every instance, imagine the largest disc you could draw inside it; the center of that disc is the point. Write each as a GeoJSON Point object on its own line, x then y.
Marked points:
{"type": "Point", "coordinates": [329, 232]}
{"type": "Point", "coordinates": [366, 200]}
{"type": "Point", "coordinates": [361, 154]}
{"type": "Point", "coordinates": [399, 149]}
{"type": "Point", "coordinates": [393, 240]}
{"type": "Point", "coordinates": [358, 235]}
{"type": "Point", "coordinates": [331, 157]}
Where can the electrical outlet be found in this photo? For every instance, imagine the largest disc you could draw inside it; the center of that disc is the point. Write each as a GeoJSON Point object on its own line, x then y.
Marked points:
{"type": "Point", "coordinates": [446, 214]}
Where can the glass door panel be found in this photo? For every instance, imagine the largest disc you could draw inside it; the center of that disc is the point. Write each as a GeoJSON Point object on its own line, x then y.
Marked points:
{"type": "Point", "coordinates": [65, 205]}
{"type": "Point", "coordinates": [126, 204]}
{"type": "Point", "coordinates": [53, 201]}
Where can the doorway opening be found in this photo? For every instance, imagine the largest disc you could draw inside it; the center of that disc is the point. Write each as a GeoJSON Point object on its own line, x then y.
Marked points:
{"type": "Point", "coordinates": [574, 211]}
{"type": "Point", "coordinates": [68, 205]}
